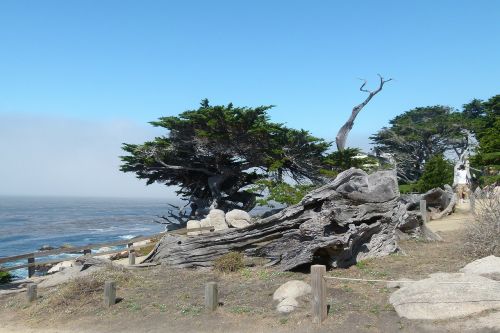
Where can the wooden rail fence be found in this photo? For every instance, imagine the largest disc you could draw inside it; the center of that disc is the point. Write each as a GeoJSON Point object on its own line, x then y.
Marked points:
{"type": "Point", "coordinates": [87, 250]}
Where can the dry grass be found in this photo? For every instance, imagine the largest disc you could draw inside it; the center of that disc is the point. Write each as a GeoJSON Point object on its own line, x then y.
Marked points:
{"type": "Point", "coordinates": [229, 262]}
{"type": "Point", "coordinates": [81, 292]}
{"type": "Point", "coordinates": [482, 236]}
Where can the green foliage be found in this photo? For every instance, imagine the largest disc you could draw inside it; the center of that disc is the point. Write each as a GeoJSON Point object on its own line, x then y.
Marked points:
{"type": "Point", "coordinates": [408, 188]}
{"type": "Point", "coordinates": [5, 277]}
{"type": "Point", "coordinates": [280, 192]}
{"type": "Point", "coordinates": [338, 161]}
{"type": "Point", "coordinates": [213, 152]}
{"type": "Point", "coordinates": [229, 262]}
{"type": "Point", "coordinates": [437, 173]}
{"type": "Point", "coordinates": [484, 121]}
{"type": "Point", "coordinates": [419, 134]}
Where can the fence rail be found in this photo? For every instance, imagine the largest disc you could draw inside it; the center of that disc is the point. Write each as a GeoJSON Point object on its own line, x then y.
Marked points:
{"type": "Point", "coordinates": [86, 250]}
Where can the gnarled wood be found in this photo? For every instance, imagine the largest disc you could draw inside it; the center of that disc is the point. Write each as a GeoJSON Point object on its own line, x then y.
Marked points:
{"type": "Point", "coordinates": [341, 137]}
{"type": "Point", "coordinates": [352, 218]}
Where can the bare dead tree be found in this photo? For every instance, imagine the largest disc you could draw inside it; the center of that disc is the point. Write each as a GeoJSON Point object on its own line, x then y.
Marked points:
{"type": "Point", "coordinates": [344, 130]}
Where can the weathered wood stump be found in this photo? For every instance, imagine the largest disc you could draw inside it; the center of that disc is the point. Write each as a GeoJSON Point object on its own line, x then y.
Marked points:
{"type": "Point", "coordinates": [354, 217]}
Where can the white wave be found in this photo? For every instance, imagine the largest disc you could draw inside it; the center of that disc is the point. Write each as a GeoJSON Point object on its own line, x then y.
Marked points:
{"type": "Point", "coordinates": [126, 236]}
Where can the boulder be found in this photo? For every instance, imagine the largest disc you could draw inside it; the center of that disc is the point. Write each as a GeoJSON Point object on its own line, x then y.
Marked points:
{"type": "Point", "coordinates": [287, 305]}
{"type": "Point", "coordinates": [291, 289]}
{"type": "Point", "coordinates": [217, 219]}
{"type": "Point", "coordinates": [488, 267]}
{"type": "Point", "coordinates": [446, 295]}
{"type": "Point", "coordinates": [193, 224]}
{"type": "Point", "coordinates": [60, 266]}
{"type": "Point", "coordinates": [238, 218]}
{"type": "Point", "coordinates": [205, 223]}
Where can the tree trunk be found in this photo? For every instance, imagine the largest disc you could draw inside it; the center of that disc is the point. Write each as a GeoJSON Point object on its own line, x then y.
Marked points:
{"type": "Point", "coordinates": [352, 218]}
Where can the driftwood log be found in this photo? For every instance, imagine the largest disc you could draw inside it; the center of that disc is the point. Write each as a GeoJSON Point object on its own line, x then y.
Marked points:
{"type": "Point", "coordinates": [356, 216]}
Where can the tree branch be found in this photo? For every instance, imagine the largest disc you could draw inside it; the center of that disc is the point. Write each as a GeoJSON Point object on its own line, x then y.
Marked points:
{"type": "Point", "coordinates": [341, 137]}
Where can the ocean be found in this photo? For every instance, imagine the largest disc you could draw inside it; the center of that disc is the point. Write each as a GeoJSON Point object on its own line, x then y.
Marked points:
{"type": "Point", "coordinates": [28, 223]}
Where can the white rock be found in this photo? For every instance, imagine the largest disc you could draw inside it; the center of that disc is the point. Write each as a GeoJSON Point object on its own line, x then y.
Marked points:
{"type": "Point", "coordinates": [61, 265]}
{"type": "Point", "coordinates": [488, 267]}
{"type": "Point", "coordinates": [205, 223]}
{"type": "Point", "coordinates": [238, 218]}
{"type": "Point", "coordinates": [287, 305]}
{"type": "Point", "coordinates": [217, 219]}
{"type": "Point", "coordinates": [193, 224]}
{"type": "Point", "coordinates": [433, 299]}
{"type": "Point", "coordinates": [292, 289]}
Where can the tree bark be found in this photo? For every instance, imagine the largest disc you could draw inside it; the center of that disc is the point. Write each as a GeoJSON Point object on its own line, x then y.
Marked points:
{"type": "Point", "coordinates": [352, 218]}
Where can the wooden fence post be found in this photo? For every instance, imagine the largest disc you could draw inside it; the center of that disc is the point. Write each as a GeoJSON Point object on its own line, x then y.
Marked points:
{"type": "Point", "coordinates": [109, 293]}
{"type": "Point", "coordinates": [472, 203]}
{"type": "Point", "coordinates": [318, 285]}
{"type": "Point", "coordinates": [423, 210]}
{"type": "Point", "coordinates": [31, 291]}
{"type": "Point", "coordinates": [131, 257]}
{"type": "Point", "coordinates": [211, 296]}
{"type": "Point", "coordinates": [31, 269]}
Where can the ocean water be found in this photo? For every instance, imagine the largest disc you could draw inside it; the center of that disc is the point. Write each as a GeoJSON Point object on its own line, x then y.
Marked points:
{"type": "Point", "coordinates": [28, 223]}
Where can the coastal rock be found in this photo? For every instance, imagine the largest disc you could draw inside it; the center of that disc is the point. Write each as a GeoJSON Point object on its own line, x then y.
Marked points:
{"type": "Point", "coordinates": [60, 266]}
{"type": "Point", "coordinates": [488, 267]}
{"type": "Point", "coordinates": [238, 218]}
{"type": "Point", "coordinates": [46, 248]}
{"type": "Point", "coordinates": [193, 224]}
{"type": "Point", "coordinates": [291, 289]}
{"type": "Point", "coordinates": [446, 295]}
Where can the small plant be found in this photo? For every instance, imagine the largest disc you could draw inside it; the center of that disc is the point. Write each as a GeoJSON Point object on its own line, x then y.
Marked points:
{"type": "Point", "coordinates": [229, 262]}
{"type": "Point", "coordinates": [240, 309]}
{"type": "Point", "coordinates": [191, 310]}
{"type": "Point", "coordinates": [5, 277]}
{"type": "Point", "coordinates": [361, 264]}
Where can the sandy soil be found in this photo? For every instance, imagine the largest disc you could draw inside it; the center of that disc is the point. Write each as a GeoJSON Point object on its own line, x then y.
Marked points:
{"type": "Point", "coordinates": [160, 299]}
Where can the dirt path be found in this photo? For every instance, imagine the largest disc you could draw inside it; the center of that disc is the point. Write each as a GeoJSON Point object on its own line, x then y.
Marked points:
{"type": "Point", "coordinates": [456, 221]}
{"type": "Point", "coordinates": [160, 299]}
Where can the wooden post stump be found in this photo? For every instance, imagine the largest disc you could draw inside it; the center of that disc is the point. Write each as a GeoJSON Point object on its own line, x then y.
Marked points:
{"type": "Point", "coordinates": [31, 269]}
{"type": "Point", "coordinates": [211, 296]}
{"type": "Point", "coordinates": [131, 258]}
{"type": "Point", "coordinates": [318, 286]}
{"type": "Point", "coordinates": [31, 292]}
{"type": "Point", "coordinates": [472, 199]}
{"type": "Point", "coordinates": [109, 293]}
{"type": "Point", "coordinates": [423, 210]}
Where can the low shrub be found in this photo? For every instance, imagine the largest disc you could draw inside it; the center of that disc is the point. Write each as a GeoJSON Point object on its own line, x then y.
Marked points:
{"type": "Point", "coordinates": [482, 236]}
{"type": "Point", "coordinates": [229, 262]}
{"type": "Point", "coordinates": [5, 277]}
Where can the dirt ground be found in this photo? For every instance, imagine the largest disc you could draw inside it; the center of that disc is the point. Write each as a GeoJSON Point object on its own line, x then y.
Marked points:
{"type": "Point", "coordinates": [161, 299]}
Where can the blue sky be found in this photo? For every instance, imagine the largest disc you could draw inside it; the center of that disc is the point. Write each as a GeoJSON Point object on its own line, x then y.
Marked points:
{"type": "Point", "coordinates": [103, 64]}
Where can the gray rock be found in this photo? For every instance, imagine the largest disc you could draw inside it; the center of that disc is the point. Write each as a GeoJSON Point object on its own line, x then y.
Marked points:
{"type": "Point", "coordinates": [435, 298]}
{"type": "Point", "coordinates": [488, 267]}
{"type": "Point", "coordinates": [291, 289]}
{"type": "Point", "coordinates": [238, 218]}
{"type": "Point", "coordinates": [287, 305]}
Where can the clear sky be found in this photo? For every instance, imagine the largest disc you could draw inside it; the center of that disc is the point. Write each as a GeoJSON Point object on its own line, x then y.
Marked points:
{"type": "Point", "coordinates": [77, 78]}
